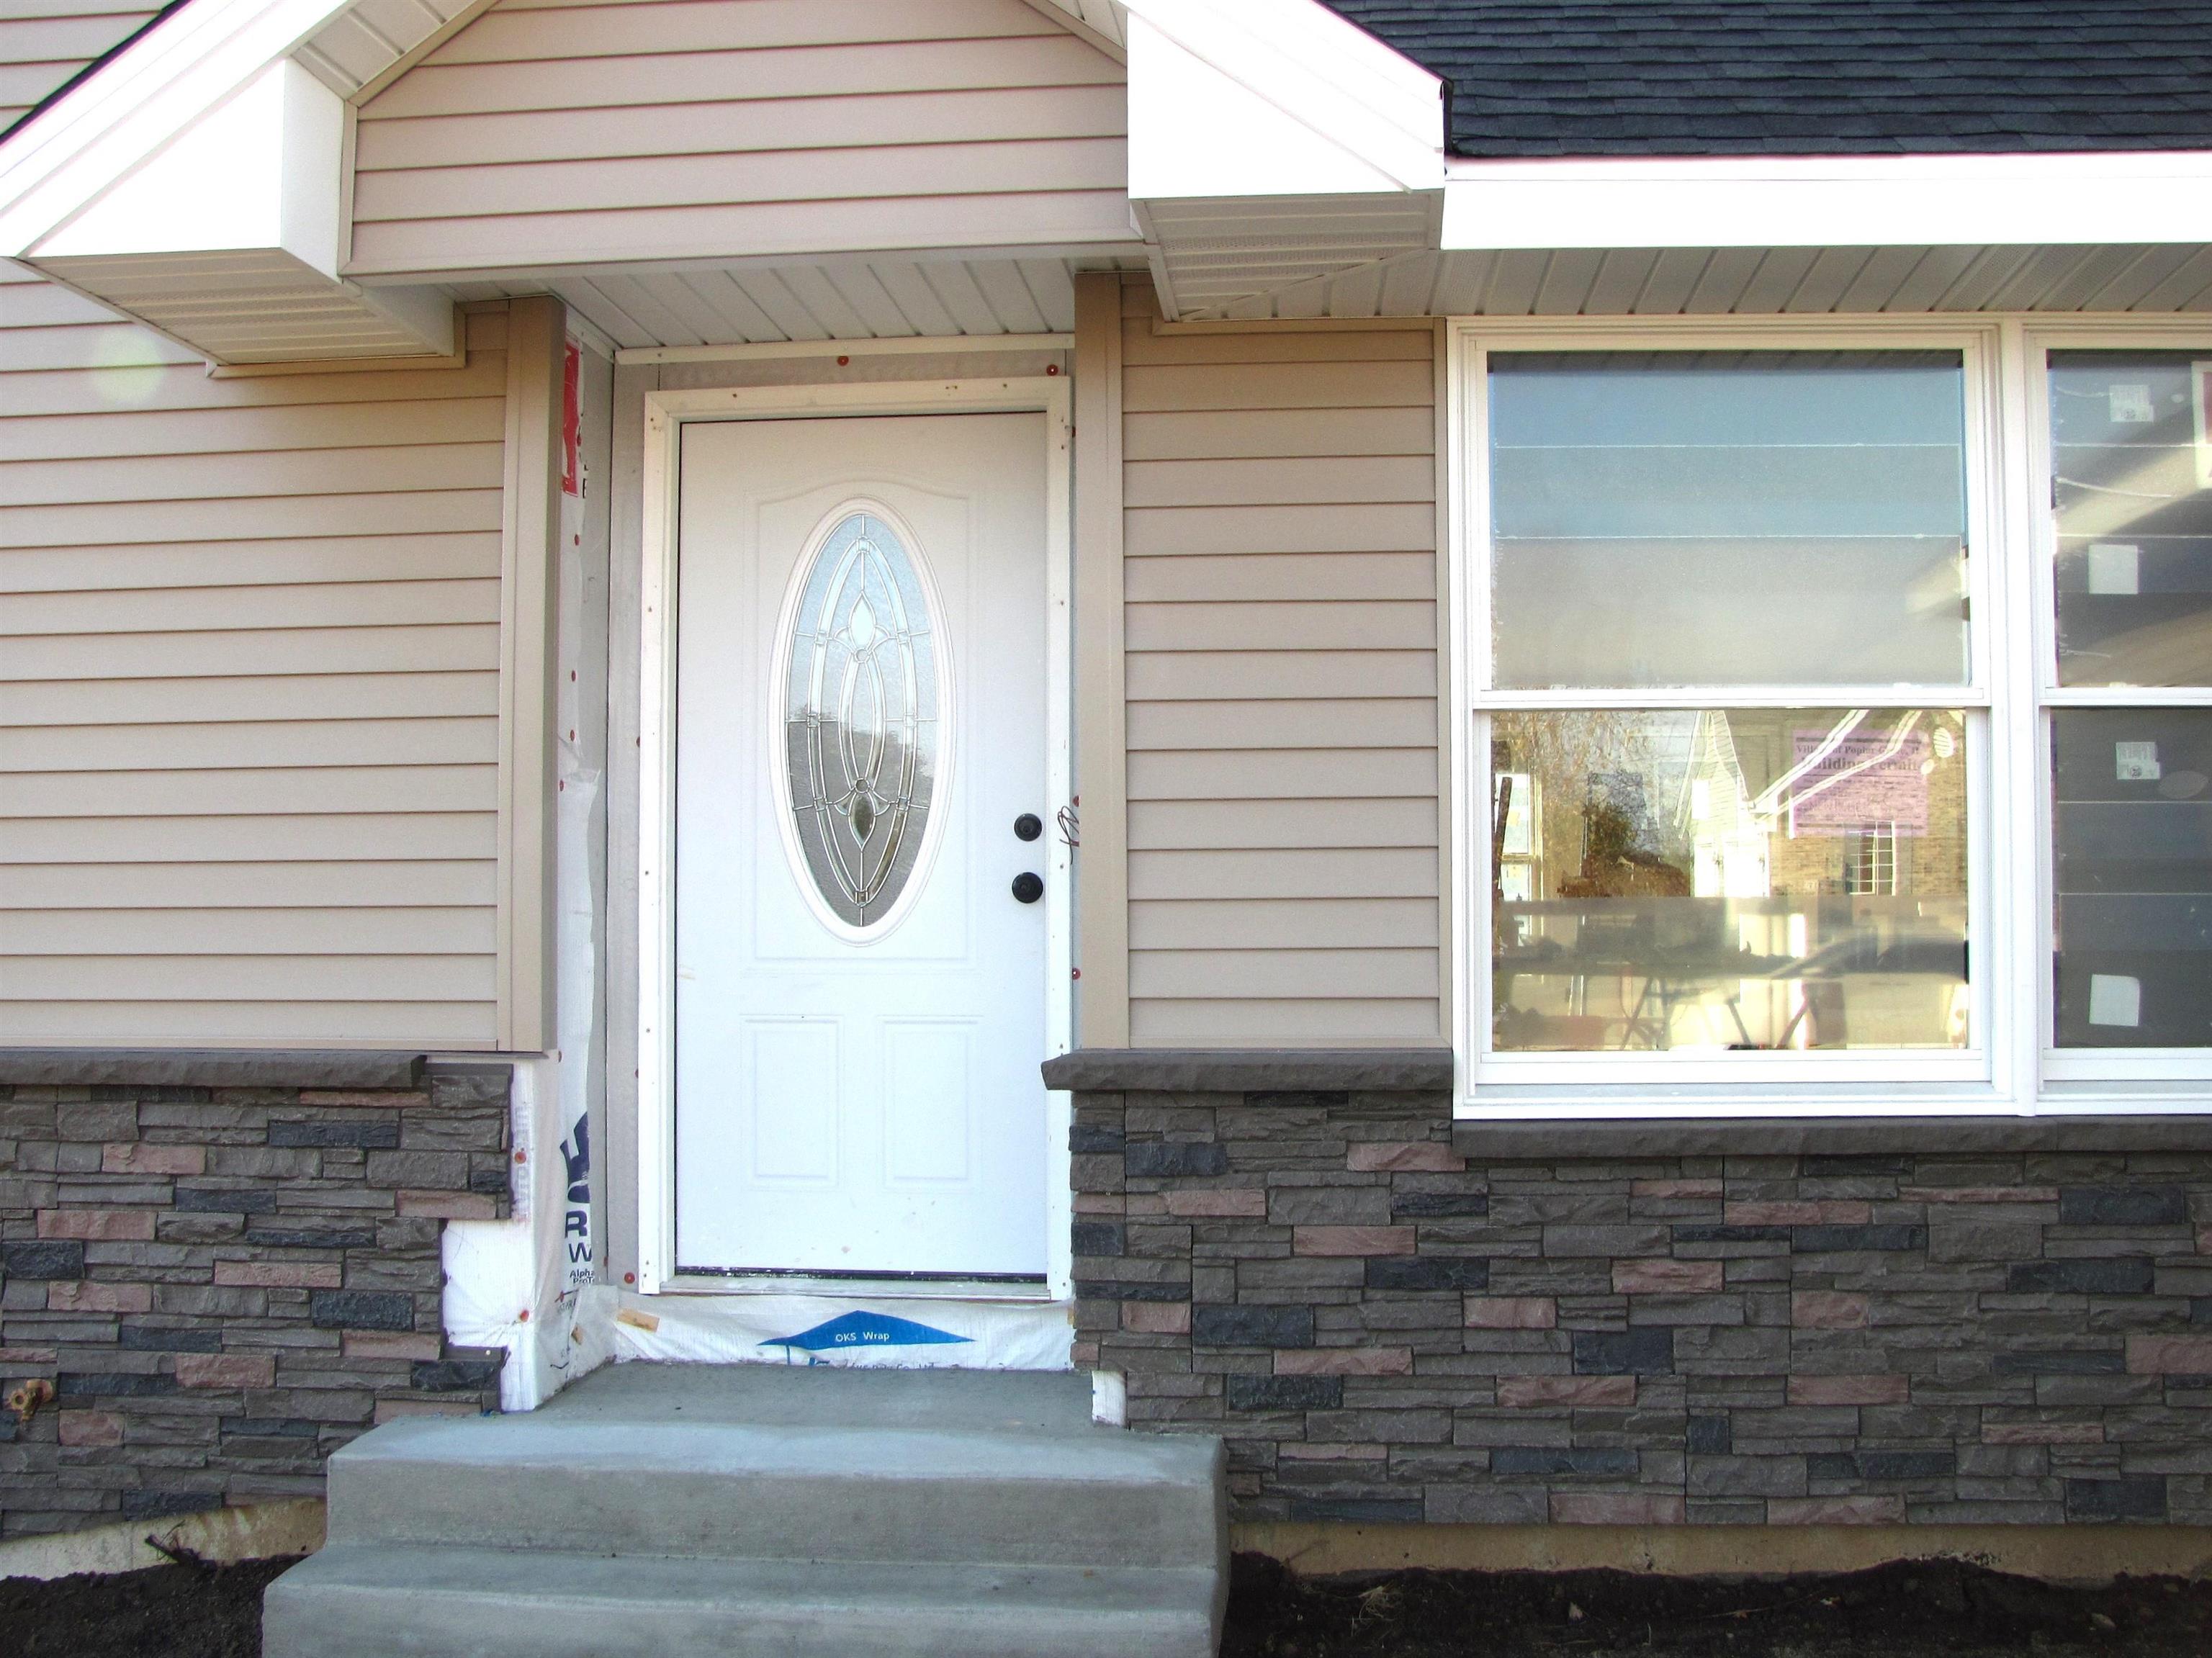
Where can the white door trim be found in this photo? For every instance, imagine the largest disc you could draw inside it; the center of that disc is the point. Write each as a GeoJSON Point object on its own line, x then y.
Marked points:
{"type": "Point", "coordinates": [666, 414]}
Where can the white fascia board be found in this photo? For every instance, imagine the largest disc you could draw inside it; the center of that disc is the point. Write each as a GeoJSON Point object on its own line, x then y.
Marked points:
{"type": "Point", "coordinates": [1915, 201]}
{"type": "Point", "coordinates": [1274, 98]}
{"type": "Point", "coordinates": [55, 165]}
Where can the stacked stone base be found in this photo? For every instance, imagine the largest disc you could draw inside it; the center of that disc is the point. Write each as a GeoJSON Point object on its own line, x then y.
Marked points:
{"type": "Point", "coordinates": [206, 1291]}
{"type": "Point", "coordinates": [1387, 1330]}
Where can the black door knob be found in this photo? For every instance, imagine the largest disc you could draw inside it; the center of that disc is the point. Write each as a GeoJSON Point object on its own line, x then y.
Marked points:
{"type": "Point", "coordinates": [1028, 826]}
{"type": "Point", "coordinates": [1029, 888]}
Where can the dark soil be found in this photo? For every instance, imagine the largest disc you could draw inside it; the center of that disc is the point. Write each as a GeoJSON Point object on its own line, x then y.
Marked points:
{"type": "Point", "coordinates": [1924, 1609]}
{"type": "Point", "coordinates": [1910, 1609]}
{"type": "Point", "coordinates": [184, 1611]}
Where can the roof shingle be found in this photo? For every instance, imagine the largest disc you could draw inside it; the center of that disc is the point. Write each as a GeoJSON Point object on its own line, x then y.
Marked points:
{"type": "Point", "coordinates": [1728, 78]}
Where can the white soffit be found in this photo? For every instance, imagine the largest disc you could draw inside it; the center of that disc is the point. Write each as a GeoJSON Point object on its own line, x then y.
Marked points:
{"type": "Point", "coordinates": [1271, 141]}
{"type": "Point", "coordinates": [852, 300]}
{"type": "Point", "coordinates": [2148, 279]}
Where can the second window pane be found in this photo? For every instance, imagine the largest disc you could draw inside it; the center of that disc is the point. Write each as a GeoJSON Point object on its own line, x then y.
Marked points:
{"type": "Point", "coordinates": [1715, 879]}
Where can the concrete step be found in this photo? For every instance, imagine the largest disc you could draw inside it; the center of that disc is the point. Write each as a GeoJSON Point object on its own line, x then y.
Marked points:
{"type": "Point", "coordinates": [367, 1601]}
{"type": "Point", "coordinates": [765, 1463]}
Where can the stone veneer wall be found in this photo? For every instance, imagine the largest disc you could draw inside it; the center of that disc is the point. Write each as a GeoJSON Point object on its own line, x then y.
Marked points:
{"type": "Point", "coordinates": [1386, 1330]}
{"type": "Point", "coordinates": [223, 1285]}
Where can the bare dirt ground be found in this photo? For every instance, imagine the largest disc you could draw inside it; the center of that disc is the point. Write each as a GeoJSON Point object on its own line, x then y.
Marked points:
{"type": "Point", "coordinates": [1914, 1610]}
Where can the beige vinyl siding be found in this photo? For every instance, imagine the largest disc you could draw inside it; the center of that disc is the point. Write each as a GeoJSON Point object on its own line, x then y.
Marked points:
{"type": "Point", "coordinates": [552, 134]}
{"type": "Point", "coordinates": [44, 42]}
{"type": "Point", "coordinates": [1281, 623]}
{"type": "Point", "coordinates": [249, 692]}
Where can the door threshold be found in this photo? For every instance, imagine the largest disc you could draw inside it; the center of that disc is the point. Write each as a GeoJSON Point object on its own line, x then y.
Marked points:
{"type": "Point", "coordinates": [875, 1286]}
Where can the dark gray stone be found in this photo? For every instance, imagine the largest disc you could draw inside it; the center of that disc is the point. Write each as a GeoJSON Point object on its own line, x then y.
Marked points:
{"type": "Point", "coordinates": [1245, 1324]}
{"type": "Point", "coordinates": [360, 1309]}
{"type": "Point", "coordinates": [2063, 1361]}
{"type": "Point", "coordinates": [1834, 1240]}
{"type": "Point", "coordinates": [2113, 1275]}
{"type": "Point", "coordinates": [1647, 1351]}
{"type": "Point", "coordinates": [111, 1384]}
{"type": "Point", "coordinates": [1358, 1510]}
{"type": "Point", "coordinates": [2123, 1206]}
{"type": "Point", "coordinates": [162, 1505]}
{"type": "Point", "coordinates": [361, 1136]}
{"type": "Point", "coordinates": [1098, 1237]}
{"type": "Point", "coordinates": [2141, 1496]}
{"type": "Point", "coordinates": [289, 1235]}
{"type": "Point", "coordinates": [1175, 1160]}
{"type": "Point", "coordinates": [1433, 1205]}
{"type": "Point", "coordinates": [1412, 1273]}
{"type": "Point", "coordinates": [1608, 1461]}
{"type": "Point", "coordinates": [1085, 1141]}
{"type": "Point", "coordinates": [235, 1200]}
{"type": "Point", "coordinates": [1708, 1436]}
{"type": "Point", "coordinates": [150, 1339]}
{"type": "Point", "coordinates": [1286, 1392]}
{"type": "Point", "coordinates": [43, 1258]}
{"type": "Point", "coordinates": [446, 1376]}
{"type": "Point", "coordinates": [1881, 1465]}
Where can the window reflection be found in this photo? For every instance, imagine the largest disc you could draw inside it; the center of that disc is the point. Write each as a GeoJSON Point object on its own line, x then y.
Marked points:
{"type": "Point", "coordinates": [1727, 518]}
{"type": "Point", "coordinates": [1729, 879]}
{"type": "Point", "coordinates": [2131, 495]}
{"type": "Point", "coordinates": [2134, 858]}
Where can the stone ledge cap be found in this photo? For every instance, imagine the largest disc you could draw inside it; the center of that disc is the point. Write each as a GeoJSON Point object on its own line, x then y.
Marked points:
{"type": "Point", "coordinates": [107, 1068]}
{"type": "Point", "coordinates": [1253, 1070]}
{"type": "Point", "coordinates": [1760, 1137]}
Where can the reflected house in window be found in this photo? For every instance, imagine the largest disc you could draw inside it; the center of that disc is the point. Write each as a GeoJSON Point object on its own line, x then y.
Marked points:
{"type": "Point", "coordinates": [1744, 879]}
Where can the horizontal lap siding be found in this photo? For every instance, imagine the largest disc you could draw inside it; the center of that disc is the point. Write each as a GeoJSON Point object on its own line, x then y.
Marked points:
{"type": "Point", "coordinates": [249, 692]}
{"type": "Point", "coordinates": [43, 43]}
{"type": "Point", "coordinates": [1280, 583]}
{"type": "Point", "coordinates": [645, 129]}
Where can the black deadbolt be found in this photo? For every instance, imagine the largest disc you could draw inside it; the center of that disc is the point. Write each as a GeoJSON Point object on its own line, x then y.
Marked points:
{"type": "Point", "coordinates": [1029, 888]}
{"type": "Point", "coordinates": [1028, 826]}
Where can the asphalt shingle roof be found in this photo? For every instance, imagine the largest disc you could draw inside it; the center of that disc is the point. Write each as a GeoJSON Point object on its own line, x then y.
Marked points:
{"type": "Point", "coordinates": [1730, 77]}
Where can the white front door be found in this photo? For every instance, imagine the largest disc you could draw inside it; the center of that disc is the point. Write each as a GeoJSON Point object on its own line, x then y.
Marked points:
{"type": "Point", "coordinates": [861, 724]}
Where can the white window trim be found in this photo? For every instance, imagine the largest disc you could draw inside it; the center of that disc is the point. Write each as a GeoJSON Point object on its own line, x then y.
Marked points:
{"type": "Point", "coordinates": [2013, 1070]}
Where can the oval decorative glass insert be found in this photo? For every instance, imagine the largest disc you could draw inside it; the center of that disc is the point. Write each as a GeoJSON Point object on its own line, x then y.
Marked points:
{"type": "Point", "coordinates": [861, 734]}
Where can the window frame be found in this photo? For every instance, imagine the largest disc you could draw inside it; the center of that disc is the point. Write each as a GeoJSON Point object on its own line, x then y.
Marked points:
{"type": "Point", "coordinates": [2012, 666]}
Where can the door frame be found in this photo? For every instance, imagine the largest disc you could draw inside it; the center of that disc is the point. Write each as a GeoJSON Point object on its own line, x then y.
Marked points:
{"type": "Point", "coordinates": [666, 413]}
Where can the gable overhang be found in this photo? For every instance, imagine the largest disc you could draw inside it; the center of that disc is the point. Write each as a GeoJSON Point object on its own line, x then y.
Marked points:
{"type": "Point", "coordinates": [196, 183]}
{"type": "Point", "coordinates": [1272, 143]}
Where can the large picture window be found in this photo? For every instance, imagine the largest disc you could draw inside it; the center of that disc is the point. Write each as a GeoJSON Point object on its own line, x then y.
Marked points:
{"type": "Point", "coordinates": [1764, 648]}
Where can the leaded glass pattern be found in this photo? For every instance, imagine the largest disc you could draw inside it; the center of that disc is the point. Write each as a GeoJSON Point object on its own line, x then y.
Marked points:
{"type": "Point", "coordinates": [862, 735]}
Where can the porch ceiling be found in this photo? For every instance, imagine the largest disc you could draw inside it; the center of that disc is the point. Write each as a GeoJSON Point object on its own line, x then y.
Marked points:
{"type": "Point", "coordinates": [841, 300]}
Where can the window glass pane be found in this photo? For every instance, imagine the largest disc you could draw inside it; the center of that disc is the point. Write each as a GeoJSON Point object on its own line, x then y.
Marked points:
{"type": "Point", "coordinates": [1728, 518]}
{"type": "Point", "coordinates": [2134, 850]}
{"type": "Point", "coordinates": [1703, 880]}
{"type": "Point", "coordinates": [860, 725]}
{"type": "Point", "coordinates": [2132, 496]}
